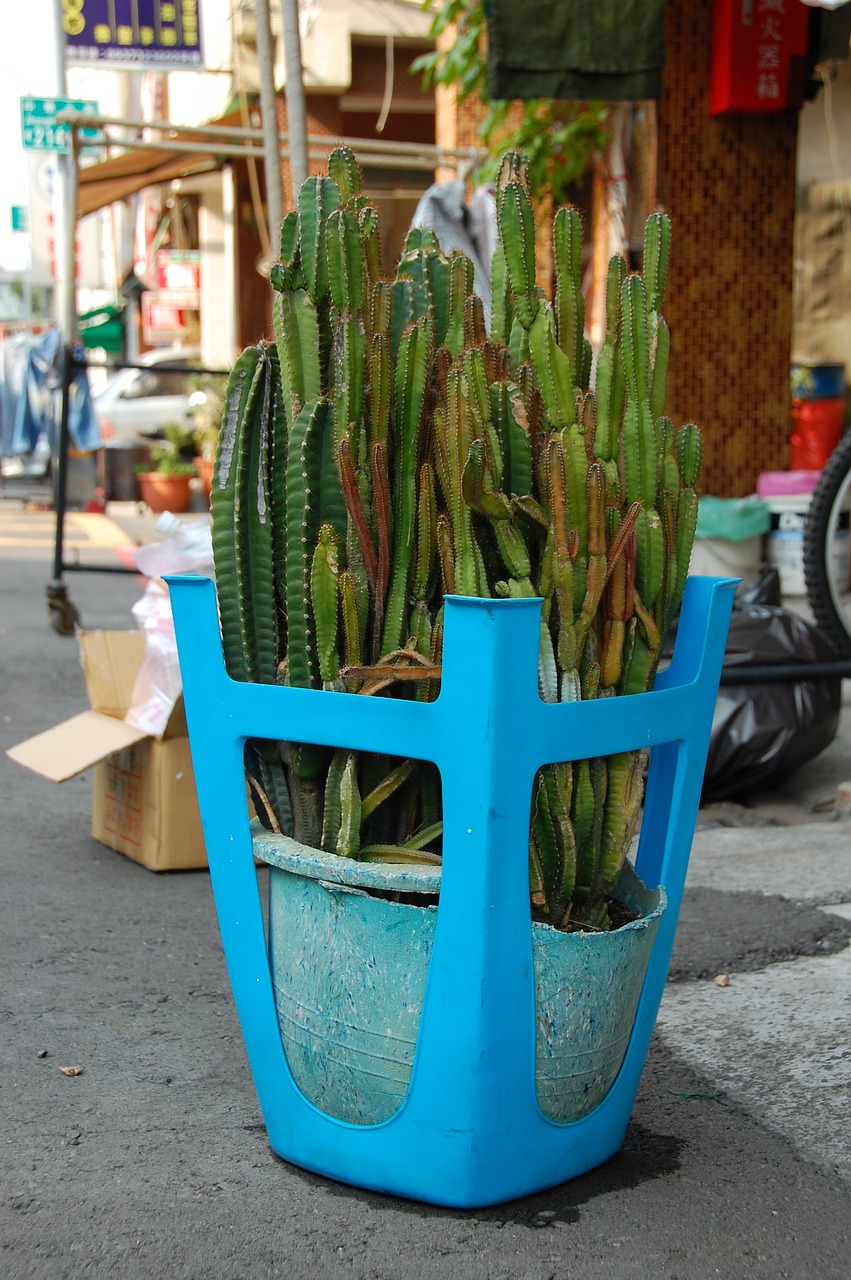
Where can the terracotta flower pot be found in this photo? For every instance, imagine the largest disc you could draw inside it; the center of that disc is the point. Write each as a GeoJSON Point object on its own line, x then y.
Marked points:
{"type": "Point", "coordinates": [204, 470]}
{"type": "Point", "coordinates": [163, 492]}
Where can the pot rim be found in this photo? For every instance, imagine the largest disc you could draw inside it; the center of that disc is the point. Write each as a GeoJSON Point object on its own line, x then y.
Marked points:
{"type": "Point", "coordinates": [290, 855]}
{"type": "Point", "coordinates": [286, 854]}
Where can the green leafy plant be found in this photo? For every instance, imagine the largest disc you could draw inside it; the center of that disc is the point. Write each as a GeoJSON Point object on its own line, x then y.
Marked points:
{"type": "Point", "coordinates": [172, 456]}
{"type": "Point", "coordinates": [206, 404]}
{"type": "Point", "coordinates": [386, 450]}
{"type": "Point", "coordinates": [559, 138]}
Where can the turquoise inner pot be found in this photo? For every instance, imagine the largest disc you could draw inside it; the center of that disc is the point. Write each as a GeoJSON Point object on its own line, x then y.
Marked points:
{"type": "Point", "coordinates": [349, 970]}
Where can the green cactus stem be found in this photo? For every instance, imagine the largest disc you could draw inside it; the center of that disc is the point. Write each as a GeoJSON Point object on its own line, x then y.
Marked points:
{"type": "Point", "coordinates": [317, 198]}
{"type": "Point", "coordinates": [517, 237]}
{"type": "Point", "coordinates": [657, 248]}
{"type": "Point", "coordinates": [243, 553]}
{"type": "Point", "coordinates": [552, 369]}
{"type": "Point", "coordinates": [297, 336]}
{"type": "Point", "coordinates": [569, 303]}
{"type": "Point", "coordinates": [344, 170]}
{"type": "Point", "coordinates": [324, 599]}
{"type": "Point", "coordinates": [345, 260]}
{"type": "Point", "coordinates": [414, 361]}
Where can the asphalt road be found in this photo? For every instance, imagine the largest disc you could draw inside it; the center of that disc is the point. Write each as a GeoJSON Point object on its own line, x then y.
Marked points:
{"type": "Point", "coordinates": [153, 1163]}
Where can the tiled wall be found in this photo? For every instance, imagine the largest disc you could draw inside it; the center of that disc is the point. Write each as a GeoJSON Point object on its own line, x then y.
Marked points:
{"type": "Point", "coordinates": [729, 186]}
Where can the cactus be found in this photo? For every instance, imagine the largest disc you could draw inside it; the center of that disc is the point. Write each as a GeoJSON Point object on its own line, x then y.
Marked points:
{"type": "Point", "coordinates": [569, 303]}
{"type": "Point", "coordinates": [253, 625]}
{"type": "Point", "coordinates": [386, 450]}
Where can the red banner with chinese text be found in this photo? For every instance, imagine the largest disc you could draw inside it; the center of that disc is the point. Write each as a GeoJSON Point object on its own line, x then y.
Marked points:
{"type": "Point", "coordinates": [759, 50]}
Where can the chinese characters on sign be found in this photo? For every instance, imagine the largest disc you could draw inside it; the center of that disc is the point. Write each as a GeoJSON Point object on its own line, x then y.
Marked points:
{"type": "Point", "coordinates": [42, 131]}
{"type": "Point", "coordinates": [759, 56]}
{"type": "Point", "coordinates": [161, 34]}
{"type": "Point", "coordinates": [769, 18]}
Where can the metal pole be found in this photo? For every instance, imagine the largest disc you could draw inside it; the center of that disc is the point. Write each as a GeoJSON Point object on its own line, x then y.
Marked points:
{"type": "Point", "coordinates": [179, 138]}
{"type": "Point", "coordinates": [60, 202]}
{"type": "Point", "coordinates": [61, 612]}
{"type": "Point", "coordinates": [786, 673]}
{"type": "Point", "coordinates": [69, 244]}
{"type": "Point", "coordinates": [63, 616]}
{"type": "Point", "coordinates": [61, 475]}
{"type": "Point", "coordinates": [294, 89]}
{"type": "Point", "coordinates": [271, 136]}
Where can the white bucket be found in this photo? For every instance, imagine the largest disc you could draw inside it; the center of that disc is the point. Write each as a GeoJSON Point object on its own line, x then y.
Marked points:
{"type": "Point", "coordinates": [723, 558]}
{"type": "Point", "coordinates": [785, 542]}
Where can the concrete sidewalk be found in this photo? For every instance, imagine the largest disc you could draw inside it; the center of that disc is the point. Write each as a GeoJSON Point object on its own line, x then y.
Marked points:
{"type": "Point", "coordinates": [153, 1164]}
{"type": "Point", "coordinates": [775, 1036]}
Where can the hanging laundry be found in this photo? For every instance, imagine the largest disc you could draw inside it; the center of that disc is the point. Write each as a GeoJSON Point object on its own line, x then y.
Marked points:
{"type": "Point", "coordinates": [14, 367]}
{"type": "Point", "coordinates": [30, 397]}
{"type": "Point", "coordinates": [462, 228]}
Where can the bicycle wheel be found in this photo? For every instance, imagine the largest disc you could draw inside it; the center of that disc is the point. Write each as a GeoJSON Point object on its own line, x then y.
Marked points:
{"type": "Point", "coordinates": [826, 548]}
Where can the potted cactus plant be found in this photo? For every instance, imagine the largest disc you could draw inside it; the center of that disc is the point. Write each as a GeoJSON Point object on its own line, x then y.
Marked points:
{"type": "Point", "coordinates": [442, 551]}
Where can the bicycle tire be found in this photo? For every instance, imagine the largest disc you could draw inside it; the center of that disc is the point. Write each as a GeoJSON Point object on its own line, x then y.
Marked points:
{"type": "Point", "coordinates": [827, 522]}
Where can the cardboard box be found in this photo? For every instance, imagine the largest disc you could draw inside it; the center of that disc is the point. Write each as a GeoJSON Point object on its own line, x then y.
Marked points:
{"type": "Point", "coordinates": [145, 804]}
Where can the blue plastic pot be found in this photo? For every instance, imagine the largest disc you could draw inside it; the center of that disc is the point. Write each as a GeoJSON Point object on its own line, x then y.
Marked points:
{"type": "Point", "coordinates": [471, 1130]}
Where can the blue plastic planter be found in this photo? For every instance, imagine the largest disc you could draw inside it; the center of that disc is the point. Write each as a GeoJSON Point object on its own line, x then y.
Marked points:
{"type": "Point", "coordinates": [470, 1131]}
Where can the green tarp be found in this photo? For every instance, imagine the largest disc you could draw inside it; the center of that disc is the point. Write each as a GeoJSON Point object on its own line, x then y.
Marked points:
{"type": "Point", "coordinates": [575, 49]}
{"type": "Point", "coordinates": [733, 519]}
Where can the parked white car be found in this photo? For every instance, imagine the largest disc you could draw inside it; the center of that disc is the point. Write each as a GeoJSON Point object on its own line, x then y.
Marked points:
{"type": "Point", "coordinates": [136, 404]}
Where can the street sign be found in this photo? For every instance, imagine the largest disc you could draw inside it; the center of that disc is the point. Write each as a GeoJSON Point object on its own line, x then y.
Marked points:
{"type": "Point", "coordinates": [41, 131]}
{"type": "Point", "coordinates": [20, 218]}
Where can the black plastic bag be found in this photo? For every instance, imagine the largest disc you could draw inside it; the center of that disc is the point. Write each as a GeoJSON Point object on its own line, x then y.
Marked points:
{"type": "Point", "coordinates": [763, 732]}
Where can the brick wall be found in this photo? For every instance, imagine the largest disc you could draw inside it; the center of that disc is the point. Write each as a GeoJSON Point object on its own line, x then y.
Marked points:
{"type": "Point", "coordinates": [729, 186]}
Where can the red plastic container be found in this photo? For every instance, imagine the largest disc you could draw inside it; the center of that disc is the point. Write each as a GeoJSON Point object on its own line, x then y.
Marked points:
{"type": "Point", "coordinates": [818, 426]}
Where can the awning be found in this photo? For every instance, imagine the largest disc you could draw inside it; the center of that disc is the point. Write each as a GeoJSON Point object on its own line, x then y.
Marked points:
{"type": "Point", "coordinates": [175, 154]}
{"type": "Point", "coordinates": [103, 328]}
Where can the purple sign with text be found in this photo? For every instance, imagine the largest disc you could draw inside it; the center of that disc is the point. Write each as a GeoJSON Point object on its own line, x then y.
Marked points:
{"type": "Point", "coordinates": [162, 35]}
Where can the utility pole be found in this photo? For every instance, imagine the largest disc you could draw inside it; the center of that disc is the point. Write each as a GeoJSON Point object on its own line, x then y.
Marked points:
{"type": "Point", "coordinates": [69, 238]}
{"type": "Point", "coordinates": [271, 133]}
{"type": "Point", "coordinates": [294, 89]}
{"type": "Point", "coordinates": [65, 206]}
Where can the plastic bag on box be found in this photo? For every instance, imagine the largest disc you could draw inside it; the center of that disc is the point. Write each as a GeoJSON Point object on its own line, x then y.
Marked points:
{"type": "Point", "coordinates": [158, 684]}
{"type": "Point", "coordinates": [186, 549]}
{"type": "Point", "coordinates": [763, 732]}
